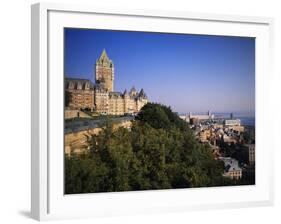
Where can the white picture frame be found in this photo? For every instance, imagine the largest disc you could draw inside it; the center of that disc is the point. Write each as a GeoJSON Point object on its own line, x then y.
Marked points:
{"type": "Point", "coordinates": [47, 198]}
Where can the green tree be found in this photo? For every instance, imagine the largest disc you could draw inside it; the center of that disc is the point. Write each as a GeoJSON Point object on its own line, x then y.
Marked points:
{"type": "Point", "coordinates": [158, 152]}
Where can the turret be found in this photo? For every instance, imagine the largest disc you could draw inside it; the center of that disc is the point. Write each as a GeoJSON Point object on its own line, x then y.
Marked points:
{"type": "Point", "coordinates": [133, 92]}
{"type": "Point", "coordinates": [142, 94]}
{"type": "Point", "coordinates": [125, 93]}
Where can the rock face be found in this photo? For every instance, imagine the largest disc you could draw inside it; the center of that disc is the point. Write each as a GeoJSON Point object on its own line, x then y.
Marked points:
{"type": "Point", "coordinates": [77, 142]}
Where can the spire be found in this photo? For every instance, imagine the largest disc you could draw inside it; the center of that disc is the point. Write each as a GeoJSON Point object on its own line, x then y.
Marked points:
{"type": "Point", "coordinates": [125, 92]}
{"type": "Point", "coordinates": [103, 54]}
{"type": "Point", "coordinates": [104, 58]}
{"type": "Point", "coordinates": [141, 92]}
{"type": "Point", "coordinates": [133, 89]}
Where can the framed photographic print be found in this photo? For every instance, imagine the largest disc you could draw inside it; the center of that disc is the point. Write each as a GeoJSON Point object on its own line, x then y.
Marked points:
{"type": "Point", "coordinates": [148, 111]}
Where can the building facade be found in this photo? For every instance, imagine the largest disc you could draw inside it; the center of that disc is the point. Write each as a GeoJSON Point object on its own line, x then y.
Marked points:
{"type": "Point", "coordinates": [79, 93]}
{"type": "Point", "coordinates": [232, 169]}
{"type": "Point", "coordinates": [232, 122]}
{"type": "Point", "coordinates": [250, 150]}
{"type": "Point", "coordinates": [82, 94]}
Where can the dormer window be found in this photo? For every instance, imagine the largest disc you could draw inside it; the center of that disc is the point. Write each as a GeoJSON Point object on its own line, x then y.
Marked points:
{"type": "Point", "coordinates": [87, 85]}
{"type": "Point", "coordinates": [79, 85]}
{"type": "Point", "coordinates": [71, 85]}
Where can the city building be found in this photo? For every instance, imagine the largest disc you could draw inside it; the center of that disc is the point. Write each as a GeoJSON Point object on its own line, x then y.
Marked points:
{"type": "Point", "coordinates": [237, 128]}
{"type": "Point", "coordinates": [207, 116]}
{"type": "Point", "coordinates": [190, 118]}
{"type": "Point", "coordinates": [82, 94]}
{"type": "Point", "coordinates": [194, 121]}
{"type": "Point", "coordinates": [232, 169]}
{"type": "Point", "coordinates": [228, 139]}
{"type": "Point", "coordinates": [204, 135]}
{"type": "Point", "coordinates": [232, 122]}
{"type": "Point", "coordinates": [250, 149]}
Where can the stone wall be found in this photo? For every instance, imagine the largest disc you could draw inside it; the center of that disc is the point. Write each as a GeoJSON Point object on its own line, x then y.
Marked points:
{"type": "Point", "coordinates": [74, 113]}
{"type": "Point", "coordinates": [77, 143]}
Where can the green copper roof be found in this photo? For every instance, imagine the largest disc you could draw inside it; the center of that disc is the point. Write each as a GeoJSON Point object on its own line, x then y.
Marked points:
{"type": "Point", "coordinates": [104, 58]}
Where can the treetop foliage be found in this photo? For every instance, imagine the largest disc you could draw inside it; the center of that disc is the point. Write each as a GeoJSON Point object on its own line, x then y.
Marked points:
{"type": "Point", "coordinates": [160, 116]}
{"type": "Point", "coordinates": [158, 152]}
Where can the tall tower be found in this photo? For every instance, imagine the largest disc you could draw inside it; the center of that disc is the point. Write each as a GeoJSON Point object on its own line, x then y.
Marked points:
{"type": "Point", "coordinates": [105, 71]}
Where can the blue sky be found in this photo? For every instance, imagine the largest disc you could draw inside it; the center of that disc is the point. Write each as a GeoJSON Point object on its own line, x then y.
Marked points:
{"type": "Point", "coordinates": [187, 72]}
